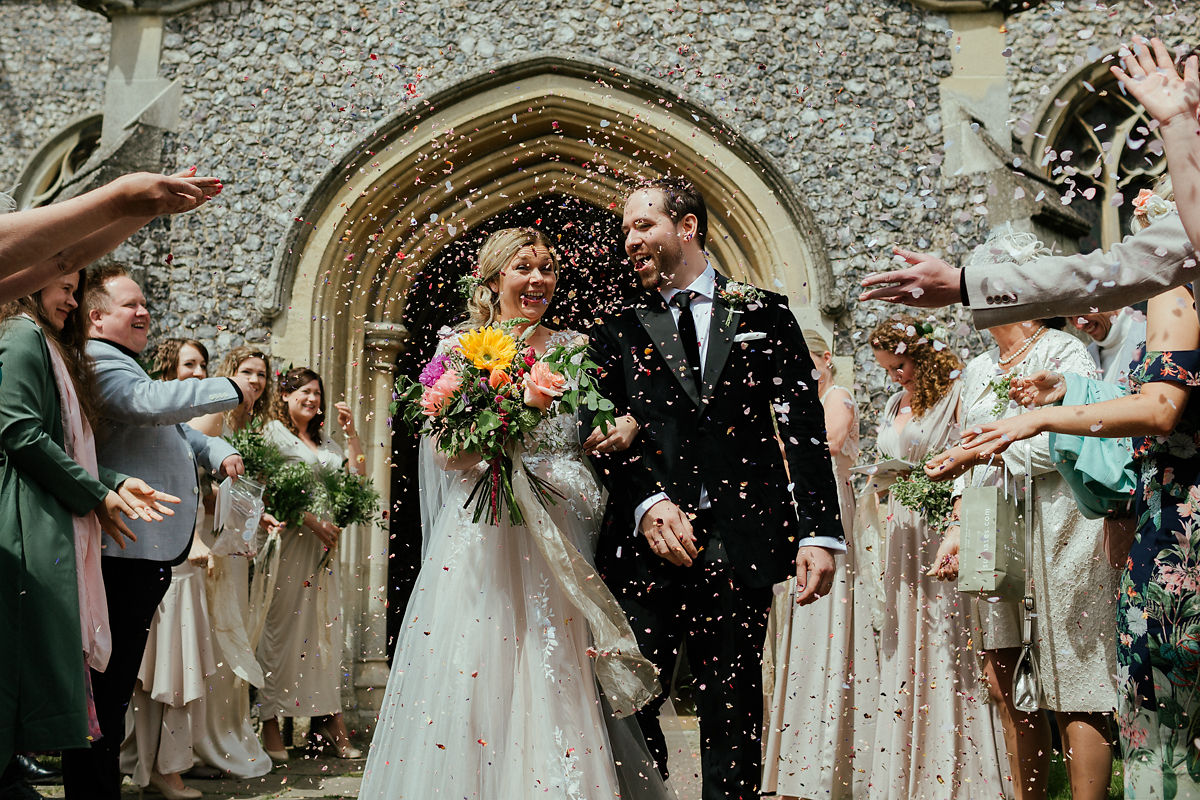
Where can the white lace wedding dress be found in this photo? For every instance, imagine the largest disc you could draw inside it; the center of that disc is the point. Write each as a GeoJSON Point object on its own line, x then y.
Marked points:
{"type": "Point", "coordinates": [492, 691]}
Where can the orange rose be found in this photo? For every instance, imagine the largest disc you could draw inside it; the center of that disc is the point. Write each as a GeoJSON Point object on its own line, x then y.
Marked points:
{"type": "Point", "coordinates": [437, 396]}
{"type": "Point", "coordinates": [542, 385]}
{"type": "Point", "coordinates": [498, 378]}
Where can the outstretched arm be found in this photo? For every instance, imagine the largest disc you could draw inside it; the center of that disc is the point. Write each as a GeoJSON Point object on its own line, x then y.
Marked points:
{"type": "Point", "coordinates": [39, 244]}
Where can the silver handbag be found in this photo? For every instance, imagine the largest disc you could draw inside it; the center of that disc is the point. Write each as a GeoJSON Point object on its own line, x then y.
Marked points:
{"type": "Point", "coordinates": [1027, 684]}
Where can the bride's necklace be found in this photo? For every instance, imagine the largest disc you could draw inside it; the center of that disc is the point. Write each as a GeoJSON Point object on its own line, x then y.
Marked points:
{"type": "Point", "coordinates": [1029, 340]}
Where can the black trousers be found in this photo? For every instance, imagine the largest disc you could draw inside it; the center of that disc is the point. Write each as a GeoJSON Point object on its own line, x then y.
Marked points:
{"type": "Point", "coordinates": [724, 625]}
{"type": "Point", "coordinates": [134, 588]}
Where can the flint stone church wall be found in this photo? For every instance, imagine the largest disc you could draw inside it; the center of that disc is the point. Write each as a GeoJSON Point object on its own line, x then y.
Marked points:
{"type": "Point", "coordinates": [844, 97]}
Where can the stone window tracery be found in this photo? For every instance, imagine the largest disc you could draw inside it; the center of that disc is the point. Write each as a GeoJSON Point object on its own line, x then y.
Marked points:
{"type": "Point", "coordinates": [1099, 147]}
{"type": "Point", "coordinates": [57, 162]}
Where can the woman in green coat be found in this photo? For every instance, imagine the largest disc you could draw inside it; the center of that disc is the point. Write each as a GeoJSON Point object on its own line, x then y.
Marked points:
{"type": "Point", "coordinates": [47, 524]}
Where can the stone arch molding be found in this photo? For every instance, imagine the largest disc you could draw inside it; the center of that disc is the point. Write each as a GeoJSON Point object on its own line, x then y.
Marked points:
{"type": "Point", "coordinates": [524, 131]}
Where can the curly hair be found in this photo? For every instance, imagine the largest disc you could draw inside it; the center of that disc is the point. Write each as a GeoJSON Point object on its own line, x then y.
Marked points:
{"type": "Point", "coordinates": [497, 252]}
{"type": "Point", "coordinates": [936, 368]}
{"type": "Point", "coordinates": [289, 382]}
{"type": "Point", "coordinates": [229, 367]}
{"type": "Point", "coordinates": [165, 363]}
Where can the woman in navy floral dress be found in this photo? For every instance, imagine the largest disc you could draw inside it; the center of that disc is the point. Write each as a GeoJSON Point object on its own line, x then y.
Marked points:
{"type": "Point", "coordinates": [1158, 611]}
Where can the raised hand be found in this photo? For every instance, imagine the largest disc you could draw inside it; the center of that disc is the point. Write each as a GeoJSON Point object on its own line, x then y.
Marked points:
{"type": "Point", "coordinates": [1151, 77]}
{"type": "Point", "coordinates": [147, 194]}
{"type": "Point", "coordinates": [1042, 388]}
{"type": "Point", "coordinates": [814, 574]}
{"type": "Point", "coordinates": [929, 283]}
{"type": "Point", "coordinates": [345, 419]}
{"type": "Point", "coordinates": [669, 532]}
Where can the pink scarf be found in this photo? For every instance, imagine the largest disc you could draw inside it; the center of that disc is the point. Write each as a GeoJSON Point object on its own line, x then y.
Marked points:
{"type": "Point", "coordinates": [81, 446]}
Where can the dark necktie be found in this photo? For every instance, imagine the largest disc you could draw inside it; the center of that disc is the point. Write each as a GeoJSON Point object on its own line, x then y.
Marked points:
{"type": "Point", "coordinates": [687, 333]}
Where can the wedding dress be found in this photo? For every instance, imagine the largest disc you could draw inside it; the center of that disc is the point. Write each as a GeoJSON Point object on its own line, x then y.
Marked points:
{"type": "Point", "coordinates": [493, 691]}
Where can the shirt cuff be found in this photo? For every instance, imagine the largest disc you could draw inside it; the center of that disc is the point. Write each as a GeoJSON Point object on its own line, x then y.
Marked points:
{"type": "Point", "coordinates": [643, 507]}
{"type": "Point", "coordinates": [962, 288]}
{"type": "Point", "coordinates": [828, 542]}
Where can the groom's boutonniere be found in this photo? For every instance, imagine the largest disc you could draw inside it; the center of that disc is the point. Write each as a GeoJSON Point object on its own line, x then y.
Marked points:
{"type": "Point", "coordinates": [738, 297]}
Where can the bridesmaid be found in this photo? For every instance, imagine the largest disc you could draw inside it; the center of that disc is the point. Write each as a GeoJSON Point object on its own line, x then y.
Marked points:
{"type": "Point", "coordinates": [810, 731]}
{"type": "Point", "coordinates": [228, 742]}
{"type": "Point", "coordinates": [934, 736]}
{"type": "Point", "coordinates": [54, 613]}
{"type": "Point", "coordinates": [301, 646]}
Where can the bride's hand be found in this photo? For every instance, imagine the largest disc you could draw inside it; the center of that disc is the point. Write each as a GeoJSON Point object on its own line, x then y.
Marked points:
{"type": "Point", "coordinates": [619, 436]}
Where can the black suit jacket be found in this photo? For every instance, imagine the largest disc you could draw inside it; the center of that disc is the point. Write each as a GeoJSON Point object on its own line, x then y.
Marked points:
{"type": "Point", "coordinates": [722, 437]}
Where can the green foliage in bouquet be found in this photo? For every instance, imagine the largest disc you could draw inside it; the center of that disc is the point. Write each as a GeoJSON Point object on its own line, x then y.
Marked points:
{"type": "Point", "coordinates": [346, 498]}
{"type": "Point", "coordinates": [290, 491]}
{"type": "Point", "coordinates": [931, 499]}
{"type": "Point", "coordinates": [262, 459]}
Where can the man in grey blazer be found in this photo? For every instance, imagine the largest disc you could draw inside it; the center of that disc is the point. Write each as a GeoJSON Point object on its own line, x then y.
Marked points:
{"type": "Point", "coordinates": [142, 430]}
{"type": "Point", "coordinates": [1141, 266]}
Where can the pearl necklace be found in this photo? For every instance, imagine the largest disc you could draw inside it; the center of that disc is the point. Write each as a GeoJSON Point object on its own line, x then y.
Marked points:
{"type": "Point", "coordinates": [1004, 362]}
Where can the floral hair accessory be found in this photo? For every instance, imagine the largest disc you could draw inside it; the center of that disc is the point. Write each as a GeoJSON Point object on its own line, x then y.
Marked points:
{"type": "Point", "coordinates": [468, 283]}
{"type": "Point", "coordinates": [738, 297]}
{"type": "Point", "coordinates": [1150, 207]}
{"type": "Point", "coordinates": [937, 334]}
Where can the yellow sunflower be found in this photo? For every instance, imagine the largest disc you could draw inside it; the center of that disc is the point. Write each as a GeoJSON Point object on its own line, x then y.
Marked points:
{"type": "Point", "coordinates": [488, 348]}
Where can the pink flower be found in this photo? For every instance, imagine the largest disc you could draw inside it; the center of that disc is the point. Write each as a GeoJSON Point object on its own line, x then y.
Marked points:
{"type": "Point", "coordinates": [1142, 200]}
{"type": "Point", "coordinates": [542, 385]}
{"type": "Point", "coordinates": [437, 396]}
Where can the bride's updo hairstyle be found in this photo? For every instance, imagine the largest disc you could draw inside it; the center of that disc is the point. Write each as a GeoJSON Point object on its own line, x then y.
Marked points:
{"type": "Point", "coordinates": [937, 365]}
{"type": "Point", "coordinates": [483, 304]}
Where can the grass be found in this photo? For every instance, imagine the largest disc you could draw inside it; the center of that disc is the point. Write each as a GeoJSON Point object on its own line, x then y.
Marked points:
{"type": "Point", "coordinates": [1060, 789]}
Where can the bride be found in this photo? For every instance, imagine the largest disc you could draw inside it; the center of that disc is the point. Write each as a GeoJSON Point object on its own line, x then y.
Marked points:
{"type": "Point", "coordinates": [493, 691]}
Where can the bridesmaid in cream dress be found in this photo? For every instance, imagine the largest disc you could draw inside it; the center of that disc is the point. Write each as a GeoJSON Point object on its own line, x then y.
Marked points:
{"type": "Point", "coordinates": [934, 736]}
{"type": "Point", "coordinates": [810, 736]}
{"type": "Point", "coordinates": [301, 646]}
{"type": "Point", "coordinates": [228, 741]}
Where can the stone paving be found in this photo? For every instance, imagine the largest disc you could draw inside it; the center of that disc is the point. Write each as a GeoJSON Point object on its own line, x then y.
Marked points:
{"type": "Point", "coordinates": [336, 779]}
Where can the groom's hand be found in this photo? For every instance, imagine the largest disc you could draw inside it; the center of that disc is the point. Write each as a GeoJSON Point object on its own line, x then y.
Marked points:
{"type": "Point", "coordinates": [669, 533]}
{"type": "Point", "coordinates": [814, 574]}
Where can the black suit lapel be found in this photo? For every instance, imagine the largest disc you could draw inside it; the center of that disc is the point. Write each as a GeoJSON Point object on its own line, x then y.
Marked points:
{"type": "Point", "coordinates": [661, 327]}
{"type": "Point", "coordinates": [721, 329]}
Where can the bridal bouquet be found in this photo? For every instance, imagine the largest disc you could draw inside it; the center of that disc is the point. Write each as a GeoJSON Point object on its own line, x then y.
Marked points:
{"type": "Point", "coordinates": [486, 394]}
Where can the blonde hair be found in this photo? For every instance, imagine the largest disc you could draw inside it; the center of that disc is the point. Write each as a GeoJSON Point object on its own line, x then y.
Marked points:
{"type": "Point", "coordinates": [935, 367]}
{"type": "Point", "coordinates": [817, 347]}
{"type": "Point", "coordinates": [266, 401]}
{"type": "Point", "coordinates": [483, 306]}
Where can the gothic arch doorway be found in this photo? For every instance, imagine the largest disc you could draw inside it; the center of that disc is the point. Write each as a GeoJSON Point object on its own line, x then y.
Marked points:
{"type": "Point", "coordinates": [527, 136]}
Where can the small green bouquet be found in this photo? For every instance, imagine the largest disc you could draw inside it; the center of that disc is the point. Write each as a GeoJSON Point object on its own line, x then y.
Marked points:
{"type": "Point", "coordinates": [290, 487]}
{"type": "Point", "coordinates": [346, 498]}
{"type": "Point", "coordinates": [931, 499]}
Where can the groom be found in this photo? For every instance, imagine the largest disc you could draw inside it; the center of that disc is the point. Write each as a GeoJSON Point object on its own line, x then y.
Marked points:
{"type": "Point", "coordinates": [704, 515]}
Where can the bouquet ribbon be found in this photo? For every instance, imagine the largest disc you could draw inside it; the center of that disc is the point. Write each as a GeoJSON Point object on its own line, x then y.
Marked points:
{"type": "Point", "coordinates": [626, 677]}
